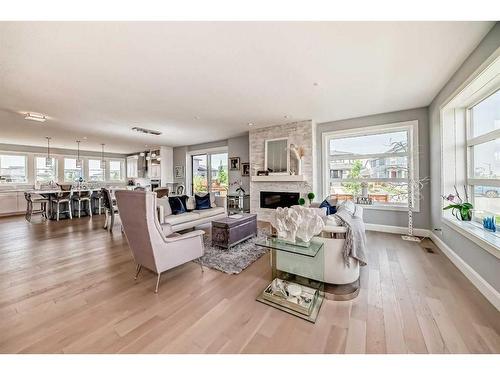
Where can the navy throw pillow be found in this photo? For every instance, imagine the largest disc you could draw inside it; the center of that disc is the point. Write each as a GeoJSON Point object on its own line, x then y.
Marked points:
{"type": "Point", "coordinates": [176, 205]}
{"type": "Point", "coordinates": [330, 210]}
{"type": "Point", "coordinates": [202, 203]}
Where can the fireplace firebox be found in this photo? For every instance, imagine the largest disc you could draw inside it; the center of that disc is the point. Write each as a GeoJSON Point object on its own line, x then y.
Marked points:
{"type": "Point", "coordinates": [275, 199]}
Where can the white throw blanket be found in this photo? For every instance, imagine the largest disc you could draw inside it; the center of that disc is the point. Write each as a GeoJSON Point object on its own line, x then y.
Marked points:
{"type": "Point", "coordinates": [355, 240]}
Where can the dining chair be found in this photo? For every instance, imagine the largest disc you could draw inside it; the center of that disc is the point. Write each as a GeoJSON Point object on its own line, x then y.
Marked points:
{"type": "Point", "coordinates": [61, 199]}
{"type": "Point", "coordinates": [111, 209]}
{"type": "Point", "coordinates": [82, 197]}
{"type": "Point", "coordinates": [35, 199]}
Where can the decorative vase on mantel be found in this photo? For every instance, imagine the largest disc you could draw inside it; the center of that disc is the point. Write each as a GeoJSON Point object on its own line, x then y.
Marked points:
{"type": "Point", "coordinates": [299, 167]}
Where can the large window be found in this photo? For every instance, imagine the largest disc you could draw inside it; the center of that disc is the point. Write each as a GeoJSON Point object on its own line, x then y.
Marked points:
{"type": "Point", "coordinates": [71, 172]}
{"type": "Point", "coordinates": [13, 169]}
{"type": "Point", "coordinates": [115, 170]}
{"type": "Point", "coordinates": [44, 173]}
{"type": "Point", "coordinates": [375, 163]}
{"type": "Point", "coordinates": [210, 173]}
{"type": "Point", "coordinates": [483, 162]}
{"type": "Point", "coordinates": [96, 173]}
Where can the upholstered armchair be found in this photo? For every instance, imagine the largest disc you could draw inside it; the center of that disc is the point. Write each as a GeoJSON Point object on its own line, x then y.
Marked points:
{"type": "Point", "coordinates": [153, 247]}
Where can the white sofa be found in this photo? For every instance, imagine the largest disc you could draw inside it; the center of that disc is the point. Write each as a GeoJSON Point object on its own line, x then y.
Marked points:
{"type": "Point", "coordinates": [193, 218]}
{"type": "Point", "coordinates": [333, 270]}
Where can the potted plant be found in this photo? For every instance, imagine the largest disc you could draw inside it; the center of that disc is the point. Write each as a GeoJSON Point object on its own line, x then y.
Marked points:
{"type": "Point", "coordinates": [461, 209]}
{"type": "Point", "coordinates": [302, 201]}
{"type": "Point", "coordinates": [310, 196]}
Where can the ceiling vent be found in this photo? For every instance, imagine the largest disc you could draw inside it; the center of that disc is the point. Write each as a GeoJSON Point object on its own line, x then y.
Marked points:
{"type": "Point", "coordinates": [146, 131]}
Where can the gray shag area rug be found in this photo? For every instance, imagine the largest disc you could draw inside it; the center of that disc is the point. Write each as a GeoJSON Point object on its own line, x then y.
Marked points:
{"type": "Point", "coordinates": [235, 259]}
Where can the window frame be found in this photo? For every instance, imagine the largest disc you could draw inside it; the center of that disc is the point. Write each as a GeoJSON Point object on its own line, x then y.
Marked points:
{"type": "Point", "coordinates": [26, 171]}
{"type": "Point", "coordinates": [55, 166]}
{"type": "Point", "coordinates": [411, 127]}
{"type": "Point", "coordinates": [82, 169]}
{"type": "Point", "coordinates": [122, 170]}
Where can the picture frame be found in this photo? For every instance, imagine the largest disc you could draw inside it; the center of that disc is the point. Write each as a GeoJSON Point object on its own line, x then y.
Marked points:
{"type": "Point", "coordinates": [234, 163]}
{"type": "Point", "coordinates": [245, 169]}
{"type": "Point", "coordinates": [179, 171]}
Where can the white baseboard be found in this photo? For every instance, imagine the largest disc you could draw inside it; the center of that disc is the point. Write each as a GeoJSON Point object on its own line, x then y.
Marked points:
{"type": "Point", "coordinates": [490, 293]}
{"type": "Point", "coordinates": [397, 230]}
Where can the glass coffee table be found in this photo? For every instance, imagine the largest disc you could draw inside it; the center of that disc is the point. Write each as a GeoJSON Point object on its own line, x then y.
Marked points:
{"type": "Point", "coordinates": [297, 271]}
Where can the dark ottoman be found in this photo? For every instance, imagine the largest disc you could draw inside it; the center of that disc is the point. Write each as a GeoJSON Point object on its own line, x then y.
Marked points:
{"type": "Point", "coordinates": [231, 231]}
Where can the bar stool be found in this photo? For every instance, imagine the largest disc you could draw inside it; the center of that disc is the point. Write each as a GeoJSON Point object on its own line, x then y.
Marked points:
{"type": "Point", "coordinates": [82, 197]}
{"type": "Point", "coordinates": [29, 207]}
{"type": "Point", "coordinates": [98, 200]}
{"type": "Point", "coordinates": [61, 199]}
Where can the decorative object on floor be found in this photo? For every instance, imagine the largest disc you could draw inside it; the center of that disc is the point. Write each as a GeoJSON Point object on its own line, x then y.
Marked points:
{"type": "Point", "coordinates": [460, 209]}
{"type": "Point", "coordinates": [291, 295]}
{"type": "Point", "coordinates": [302, 201]}
{"type": "Point", "coordinates": [245, 169]}
{"type": "Point", "coordinates": [489, 224]}
{"type": "Point", "coordinates": [234, 260]}
{"type": "Point", "coordinates": [415, 187]}
{"type": "Point", "coordinates": [296, 222]}
{"type": "Point", "coordinates": [234, 163]}
{"type": "Point", "coordinates": [179, 171]}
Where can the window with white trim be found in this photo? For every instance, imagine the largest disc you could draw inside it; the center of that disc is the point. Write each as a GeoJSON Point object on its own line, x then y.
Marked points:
{"type": "Point", "coordinates": [374, 162]}
{"type": "Point", "coordinates": [115, 170]}
{"type": "Point", "coordinates": [483, 155]}
{"type": "Point", "coordinates": [44, 173]}
{"type": "Point", "coordinates": [13, 169]}
{"type": "Point", "coordinates": [96, 173]}
{"type": "Point", "coordinates": [71, 172]}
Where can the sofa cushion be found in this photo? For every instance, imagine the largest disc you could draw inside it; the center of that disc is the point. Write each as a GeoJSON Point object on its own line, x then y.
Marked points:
{"type": "Point", "coordinates": [210, 212]}
{"type": "Point", "coordinates": [165, 204]}
{"type": "Point", "coordinates": [177, 205]}
{"type": "Point", "coordinates": [202, 202]}
{"type": "Point", "coordinates": [190, 203]}
{"type": "Point", "coordinates": [330, 209]}
{"type": "Point", "coordinates": [181, 218]}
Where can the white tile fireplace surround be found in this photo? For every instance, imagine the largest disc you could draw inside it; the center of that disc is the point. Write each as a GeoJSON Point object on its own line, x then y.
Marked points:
{"type": "Point", "coordinates": [299, 134]}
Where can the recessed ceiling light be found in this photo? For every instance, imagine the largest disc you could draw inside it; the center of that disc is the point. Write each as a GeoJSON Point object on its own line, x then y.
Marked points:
{"type": "Point", "coordinates": [196, 117]}
{"type": "Point", "coordinates": [315, 83]}
{"type": "Point", "coordinates": [85, 138]}
{"type": "Point", "coordinates": [250, 124]}
{"type": "Point", "coordinates": [35, 117]}
{"type": "Point", "coordinates": [286, 116]}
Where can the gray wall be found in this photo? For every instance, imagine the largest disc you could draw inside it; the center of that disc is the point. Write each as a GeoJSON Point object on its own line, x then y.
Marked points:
{"type": "Point", "coordinates": [385, 217]}
{"type": "Point", "coordinates": [480, 260]}
{"type": "Point", "coordinates": [237, 146]}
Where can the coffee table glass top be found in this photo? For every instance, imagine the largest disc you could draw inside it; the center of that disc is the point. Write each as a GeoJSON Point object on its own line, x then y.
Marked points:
{"type": "Point", "coordinates": [280, 245]}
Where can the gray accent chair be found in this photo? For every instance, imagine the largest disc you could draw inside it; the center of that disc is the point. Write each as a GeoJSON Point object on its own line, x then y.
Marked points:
{"type": "Point", "coordinates": [154, 247]}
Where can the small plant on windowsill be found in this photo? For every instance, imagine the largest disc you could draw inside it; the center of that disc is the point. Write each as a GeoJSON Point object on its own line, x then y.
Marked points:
{"type": "Point", "coordinates": [461, 209]}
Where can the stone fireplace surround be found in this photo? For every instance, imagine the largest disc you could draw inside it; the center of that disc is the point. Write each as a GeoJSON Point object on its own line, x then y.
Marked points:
{"type": "Point", "coordinates": [299, 133]}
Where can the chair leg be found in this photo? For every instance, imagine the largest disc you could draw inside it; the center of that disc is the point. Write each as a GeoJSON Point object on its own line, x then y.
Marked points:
{"type": "Point", "coordinates": [137, 271]}
{"type": "Point", "coordinates": [79, 209]}
{"type": "Point", "coordinates": [201, 266]}
{"type": "Point", "coordinates": [70, 209]}
{"type": "Point", "coordinates": [106, 219]}
{"type": "Point", "coordinates": [57, 211]}
{"type": "Point", "coordinates": [90, 207]}
{"type": "Point", "coordinates": [157, 282]}
{"type": "Point", "coordinates": [112, 222]}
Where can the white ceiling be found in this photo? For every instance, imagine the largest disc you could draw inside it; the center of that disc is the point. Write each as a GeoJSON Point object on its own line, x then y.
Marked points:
{"type": "Point", "coordinates": [204, 81]}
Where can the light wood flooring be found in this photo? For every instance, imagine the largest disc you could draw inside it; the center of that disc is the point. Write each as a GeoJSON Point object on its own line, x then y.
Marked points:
{"type": "Point", "coordinates": [67, 287]}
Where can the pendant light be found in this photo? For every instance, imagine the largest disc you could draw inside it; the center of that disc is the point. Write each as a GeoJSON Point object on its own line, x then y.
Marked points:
{"type": "Point", "coordinates": [78, 161]}
{"type": "Point", "coordinates": [103, 162]}
{"type": "Point", "coordinates": [48, 159]}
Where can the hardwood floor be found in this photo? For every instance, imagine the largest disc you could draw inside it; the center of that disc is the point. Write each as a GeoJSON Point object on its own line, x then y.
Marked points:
{"type": "Point", "coordinates": [67, 287]}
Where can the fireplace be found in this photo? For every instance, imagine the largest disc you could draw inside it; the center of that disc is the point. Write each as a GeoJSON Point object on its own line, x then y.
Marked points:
{"type": "Point", "coordinates": [275, 199]}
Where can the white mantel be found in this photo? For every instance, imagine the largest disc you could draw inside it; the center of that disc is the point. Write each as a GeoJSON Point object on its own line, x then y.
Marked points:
{"type": "Point", "coordinates": [278, 178]}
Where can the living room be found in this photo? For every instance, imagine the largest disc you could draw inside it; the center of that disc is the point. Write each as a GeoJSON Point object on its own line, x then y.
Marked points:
{"type": "Point", "coordinates": [250, 187]}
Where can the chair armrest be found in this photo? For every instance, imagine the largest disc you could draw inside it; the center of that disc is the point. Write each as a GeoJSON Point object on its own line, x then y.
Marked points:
{"type": "Point", "coordinates": [161, 214]}
{"type": "Point", "coordinates": [221, 201]}
{"type": "Point", "coordinates": [185, 236]}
